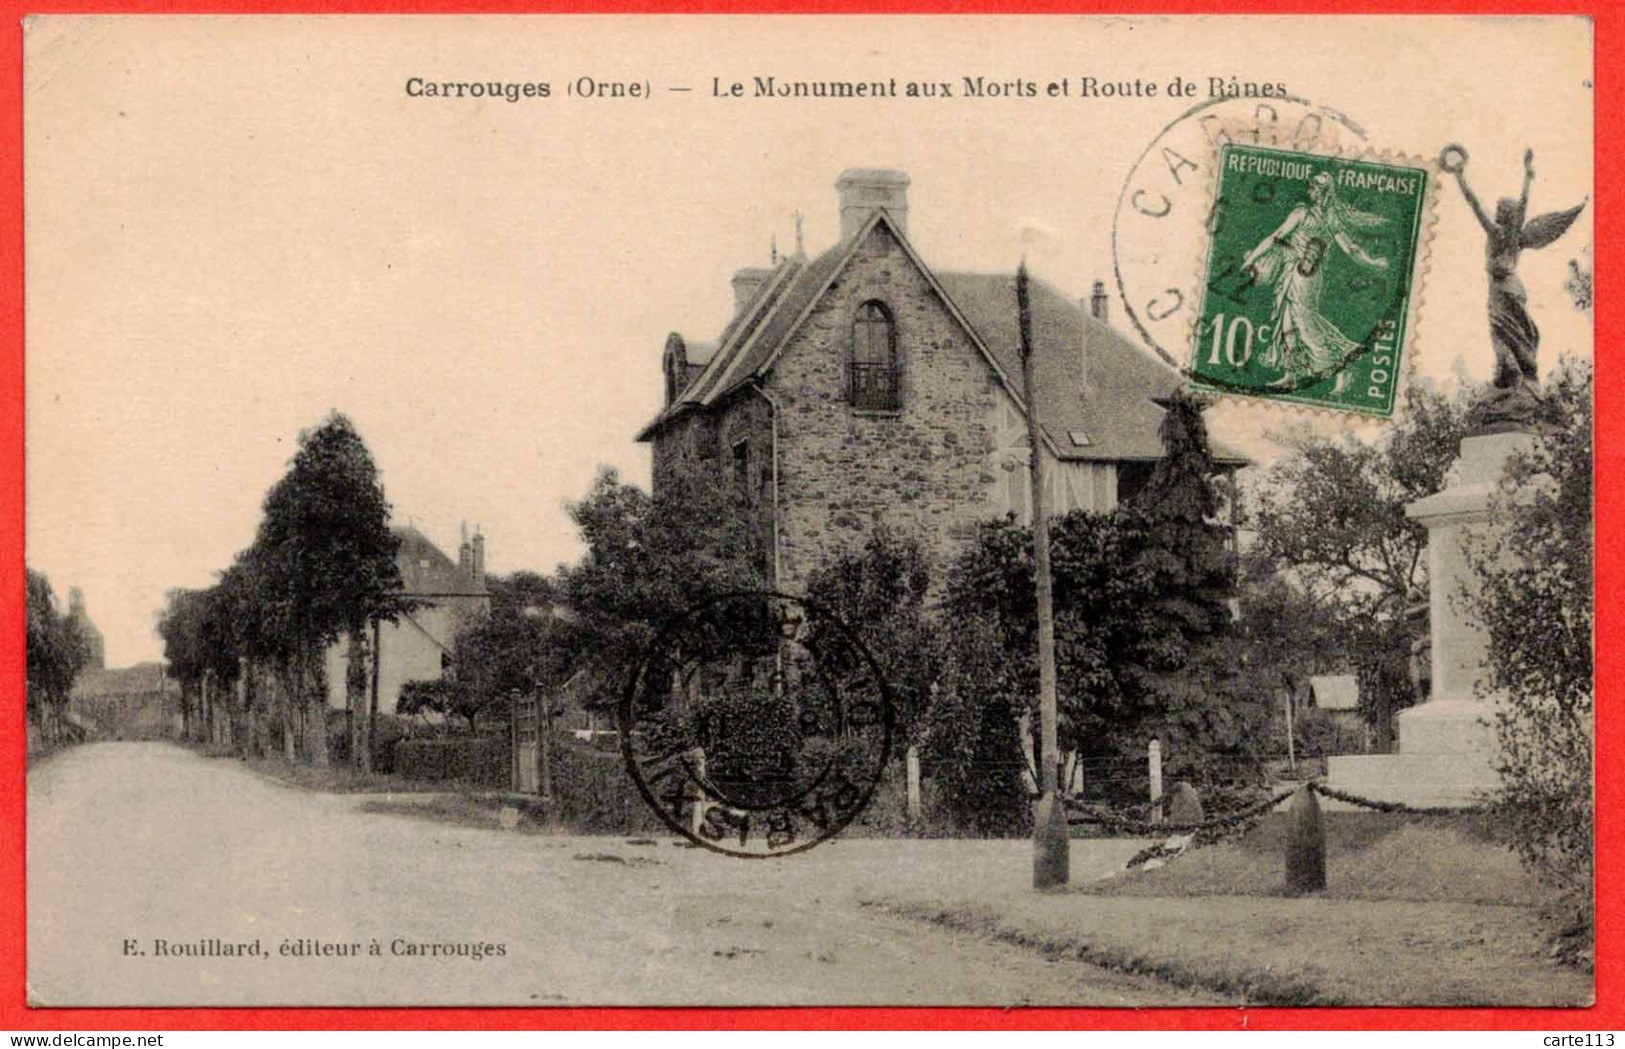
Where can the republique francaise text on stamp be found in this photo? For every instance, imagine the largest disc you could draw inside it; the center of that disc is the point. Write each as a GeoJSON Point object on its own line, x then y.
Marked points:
{"type": "Point", "coordinates": [1310, 278]}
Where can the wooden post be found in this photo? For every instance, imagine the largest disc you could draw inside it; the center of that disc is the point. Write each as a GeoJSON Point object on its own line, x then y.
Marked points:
{"type": "Point", "coordinates": [516, 780]}
{"type": "Point", "coordinates": [1051, 861]}
{"type": "Point", "coordinates": [544, 744]}
{"type": "Point", "coordinates": [1291, 757]}
{"type": "Point", "coordinates": [696, 758]}
{"type": "Point", "coordinates": [1154, 757]}
{"type": "Point", "coordinates": [913, 759]}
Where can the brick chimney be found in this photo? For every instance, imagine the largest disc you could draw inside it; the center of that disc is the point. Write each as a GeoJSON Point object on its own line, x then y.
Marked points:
{"type": "Point", "coordinates": [862, 190]}
{"type": "Point", "coordinates": [745, 284]}
{"type": "Point", "coordinates": [465, 552]}
{"type": "Point", "coordinates": [1098, 302]}
{"type": "Point", "coordinates": [478, 545]}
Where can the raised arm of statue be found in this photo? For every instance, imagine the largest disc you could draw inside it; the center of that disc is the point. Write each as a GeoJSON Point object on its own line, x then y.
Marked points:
{"type": "Point", "coordinates": [1454, 160]}
{"type": "Point", "coordinates": [1528, 179]}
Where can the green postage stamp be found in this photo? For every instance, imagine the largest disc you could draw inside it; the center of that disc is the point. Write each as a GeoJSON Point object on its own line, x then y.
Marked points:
{"type": "Point", "coordinates": [1310, 278]}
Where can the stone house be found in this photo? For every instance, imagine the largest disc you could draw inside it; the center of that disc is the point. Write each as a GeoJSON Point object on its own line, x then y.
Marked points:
{"type": "Point", "coordinates": [418, 646]}
{"type": "Point", "coordinates": [861, 385]}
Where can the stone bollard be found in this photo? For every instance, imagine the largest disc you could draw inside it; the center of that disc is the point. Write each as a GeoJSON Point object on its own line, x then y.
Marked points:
{"type": "Point", "coordinates": [1305, 844]}
{"type": "Point", "coordinates": [1184, 807]}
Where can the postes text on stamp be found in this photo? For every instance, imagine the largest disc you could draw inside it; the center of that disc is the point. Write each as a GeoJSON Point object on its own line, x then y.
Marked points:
{"type": "Point", "coordinates": [1309, 278]}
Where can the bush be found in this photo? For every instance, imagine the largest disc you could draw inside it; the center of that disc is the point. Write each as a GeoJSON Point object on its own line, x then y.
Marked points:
{"type": "Point", "coordinates": [595, 793]}
{"type": "Point", "coordinates": [1536, 602]}
{"type": "Point", "coordinates": [484, 761]}
{"type": "Point", "coordinates": [387, 730]}
{"type": "Point", "coordinates": [974, 744]}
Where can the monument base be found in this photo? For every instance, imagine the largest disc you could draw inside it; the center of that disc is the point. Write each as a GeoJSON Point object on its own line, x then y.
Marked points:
{"type": "Point", "coordinates": [1447, 747]}
{"type": "Point", "coordinates": [1446, 759]}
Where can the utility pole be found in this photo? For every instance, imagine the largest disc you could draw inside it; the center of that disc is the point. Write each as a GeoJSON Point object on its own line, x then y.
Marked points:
{"type": "Point", "coordinates": [1051, 841]}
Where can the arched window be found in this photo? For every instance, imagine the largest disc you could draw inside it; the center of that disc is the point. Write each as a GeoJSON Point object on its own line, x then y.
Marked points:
{"type": "Point", "coordinates": [872, 375]}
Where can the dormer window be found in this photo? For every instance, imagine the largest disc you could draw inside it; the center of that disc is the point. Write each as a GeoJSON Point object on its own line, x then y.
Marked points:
{"type": "Point", "coordinates": [872, 373]}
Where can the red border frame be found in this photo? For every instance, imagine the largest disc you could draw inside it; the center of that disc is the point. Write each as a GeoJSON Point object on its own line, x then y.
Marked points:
{"type": "Point", "coordinates": [1609, 27]}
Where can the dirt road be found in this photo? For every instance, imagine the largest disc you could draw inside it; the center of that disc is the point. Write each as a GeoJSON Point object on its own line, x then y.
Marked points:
{"type": "Point", "coordinates": [130, 844]}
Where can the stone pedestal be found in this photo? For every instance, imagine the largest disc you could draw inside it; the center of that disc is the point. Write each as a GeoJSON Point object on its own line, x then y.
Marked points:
{"type": "Point", "coordinates": [1446, 745]}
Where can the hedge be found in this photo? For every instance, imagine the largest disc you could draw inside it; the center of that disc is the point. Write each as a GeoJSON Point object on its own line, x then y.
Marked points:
{"type": "Point", "coordinates": [595, 792]}
{"type": "Point", "coordinates": [481, 760]}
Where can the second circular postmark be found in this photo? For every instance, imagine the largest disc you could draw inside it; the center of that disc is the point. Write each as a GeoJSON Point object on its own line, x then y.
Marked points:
{"type": "Point", "coordinates": [756, 724]}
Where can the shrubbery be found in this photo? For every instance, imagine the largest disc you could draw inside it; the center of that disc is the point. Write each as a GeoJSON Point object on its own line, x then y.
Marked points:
{"type": "Point", "coordinates": [1536, 601]}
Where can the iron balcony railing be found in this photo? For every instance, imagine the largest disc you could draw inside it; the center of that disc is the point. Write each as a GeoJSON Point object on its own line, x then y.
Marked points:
{"type": "Point", "coordinates": [873, 386]}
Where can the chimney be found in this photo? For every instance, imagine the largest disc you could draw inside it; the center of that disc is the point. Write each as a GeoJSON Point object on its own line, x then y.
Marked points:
{"type": "Point", "coordinates": [465, 553]}
{"type": "Point", "coordinates": [1098, 301]}
{"type": "Point", "coordinates": [479, 556]}
{"type": "Point", "coordinates": [745, 284]}
{"type": "Point", "coordinates": [76, 601]}
{"type": "Point", "coordinates": [863, 190]}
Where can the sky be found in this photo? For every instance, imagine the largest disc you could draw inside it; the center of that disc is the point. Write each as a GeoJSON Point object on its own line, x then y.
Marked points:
{"type": "Point", "coordinates": [234, 225]}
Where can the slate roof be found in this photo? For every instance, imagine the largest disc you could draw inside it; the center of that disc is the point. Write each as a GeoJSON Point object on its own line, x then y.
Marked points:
{"type": "Point", "coordinates": [1114, 408]}
{"type": "Point", "coordinates": [429, 573]}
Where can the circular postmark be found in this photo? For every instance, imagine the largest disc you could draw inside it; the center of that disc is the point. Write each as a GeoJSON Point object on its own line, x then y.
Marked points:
{"type": "Point", "coordinates": [756, 724]}
{"type": "Point", "coordinates": [1163, 210]}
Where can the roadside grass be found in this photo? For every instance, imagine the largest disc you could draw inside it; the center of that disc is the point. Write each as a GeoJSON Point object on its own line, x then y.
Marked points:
{"type": "Point", "coordinates": [1369, 856]}
{"type": "Point", "coordinates": [334, 778]}
{"type": "Point", "coordinates": [1284, 952]}
{"type": "Point", "coordinates": [1417, 912]}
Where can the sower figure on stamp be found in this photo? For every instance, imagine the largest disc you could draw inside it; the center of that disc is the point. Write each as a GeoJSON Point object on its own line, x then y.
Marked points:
{"type": "Point", "coordinates": [1304, 342]}
{"type": "Point", "coordinates": [1513, 333]}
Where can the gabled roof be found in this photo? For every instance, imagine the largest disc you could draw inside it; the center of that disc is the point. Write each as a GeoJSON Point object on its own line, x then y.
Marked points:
{"type": "Point", "coordinates": [1110, 415]}
{"type": "Point", "coordinates": [1110, 400]}
{"type": "Point", "coordinates": [429, 573]}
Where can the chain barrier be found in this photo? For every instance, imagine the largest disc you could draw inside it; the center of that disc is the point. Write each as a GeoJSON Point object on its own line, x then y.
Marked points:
{"type": "Point", "coordinates": [1142, 828]}
{"type": "Point", "coordinates": [1390, 806]}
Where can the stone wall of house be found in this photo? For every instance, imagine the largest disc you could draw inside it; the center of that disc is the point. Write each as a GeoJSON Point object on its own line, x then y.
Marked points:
{"type": "Point", "coordinates": [712, 440]}
{"type": "Point", "coordinates": [925, 469]}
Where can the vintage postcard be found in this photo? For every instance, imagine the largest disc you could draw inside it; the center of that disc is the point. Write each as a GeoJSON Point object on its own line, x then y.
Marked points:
{"type": "Point", "coordinates": [819, 510]}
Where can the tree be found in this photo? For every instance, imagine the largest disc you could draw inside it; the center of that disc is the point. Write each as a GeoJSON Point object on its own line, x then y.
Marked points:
{"type": "Point", "coordinates": [325, 559]}
{"type": "Point", "coordinates": [498, 650]}
{"type": "Point", "coordinates": [648, 561]}
{"type": "Point", "coordinates": [1330, 518]}
{"type": "Point", "coordinates": [1195, 696]}
{"type": "Point", "coordinates": [56, 650]}
{"type": "Point", "coordinates": [880, 593]}
{"type": "Point", "coordinates": [180, 625]}
{"type": "Point", "coordinates": [971, 735]}
{"type": "Point", "coordinates": [1535, 598]}
{"type": "Point", "coordinates": [1145, 644]}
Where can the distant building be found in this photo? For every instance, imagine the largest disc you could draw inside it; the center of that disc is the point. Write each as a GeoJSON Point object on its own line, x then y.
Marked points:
{"type": "Point", "coordinates": [1339, 696]}
{"type": "Point", "coordinates": [87, 629]}
{"type": "Point", "coordinates": [139, 702]}
{"type": "Point", "coordinates": [418, 646]}
{"type": "Point", "coordinates": [861, 384]}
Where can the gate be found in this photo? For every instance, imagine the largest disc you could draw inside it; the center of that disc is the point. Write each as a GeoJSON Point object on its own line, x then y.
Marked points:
{"type": "Point", "coordinates": [526, 744]}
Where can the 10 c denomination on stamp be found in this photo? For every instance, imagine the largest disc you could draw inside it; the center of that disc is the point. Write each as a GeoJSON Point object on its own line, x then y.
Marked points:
{"type": "Point", "coordinates": [1310, 278]}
